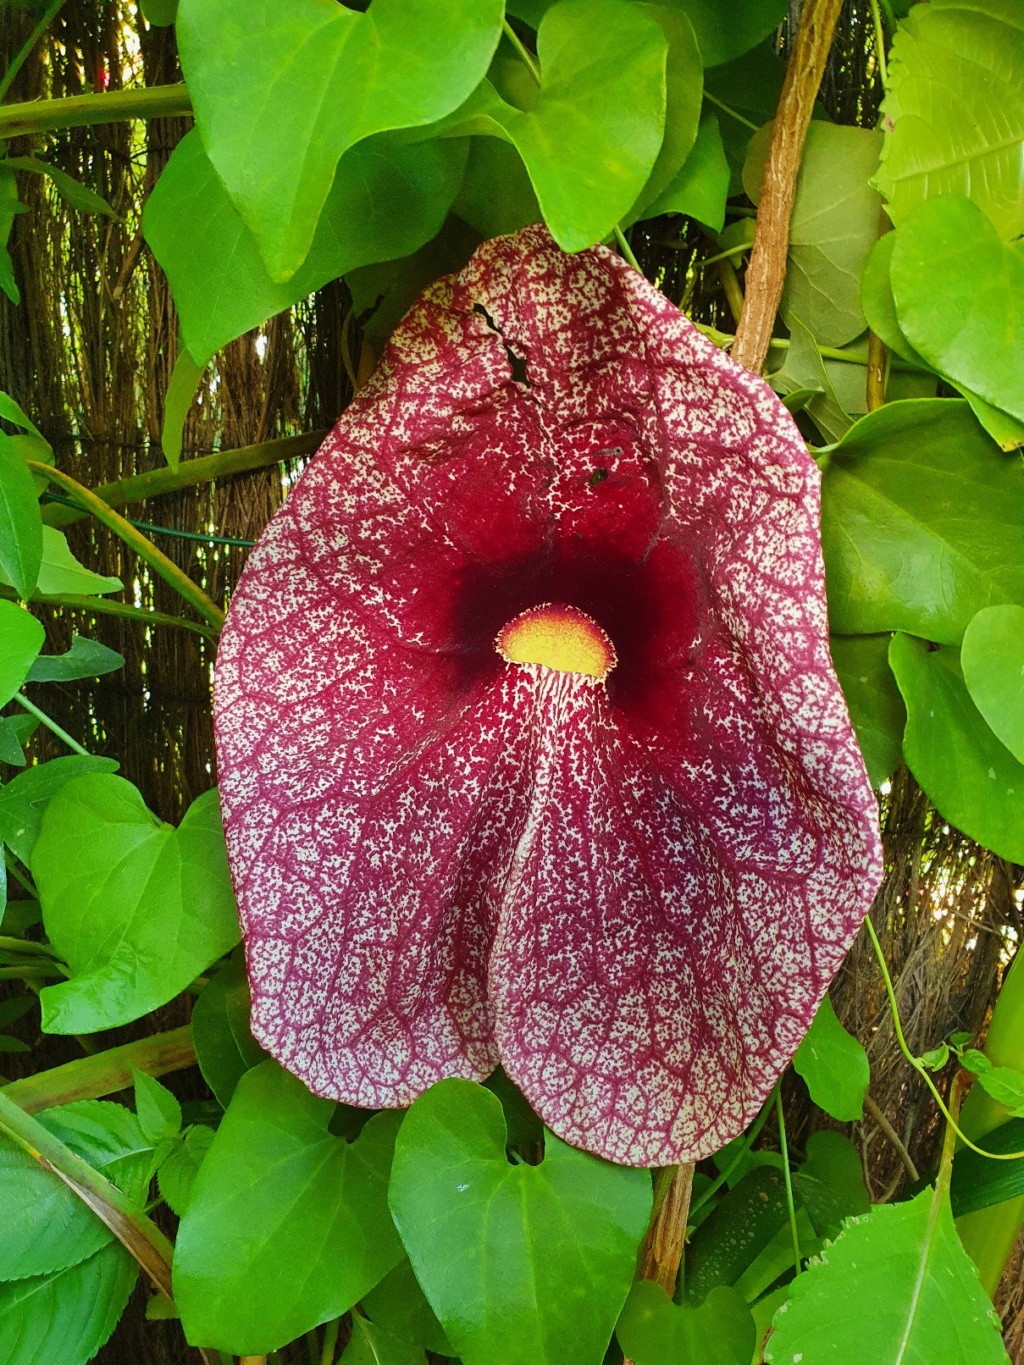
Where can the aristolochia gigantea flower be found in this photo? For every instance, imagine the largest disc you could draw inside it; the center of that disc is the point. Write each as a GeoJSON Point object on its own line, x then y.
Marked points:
{"type": "Point", "coordinates": [531, 751]}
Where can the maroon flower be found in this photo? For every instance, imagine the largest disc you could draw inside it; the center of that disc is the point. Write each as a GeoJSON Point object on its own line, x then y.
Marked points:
{"type": "Point", "coordinates": [530, 746]}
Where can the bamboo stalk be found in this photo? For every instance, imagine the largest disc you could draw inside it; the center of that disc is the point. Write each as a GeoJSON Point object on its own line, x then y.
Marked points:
{"type": "Point", "coordinates": [104, 1073]}
{"type": "Point", "coordinates": [78, 111]}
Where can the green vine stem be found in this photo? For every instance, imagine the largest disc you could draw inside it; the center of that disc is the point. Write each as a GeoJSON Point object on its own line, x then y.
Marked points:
{"type": "Point", "coordinates": [79, 111]}
{"type": "Point", "coordinates": [523, 51]}
{"type": "Point", "coordinates": [625, 248]}
{"type": "Point", "coordinates": [20, 58]}
{"type": "Point", "coordinates": [103, 1073]}
{"type": "Point", "coordinates": [788, 1174]}
{"type": "Point", "coordinates": [916, 1062]}
{"type": "Point", "coordinates": [51, 724]}
{"type": "Point", "coordinates": [203, 469]}
{"type": "Point", "coordinates": [142, 545]}
{"type": "Point", "coordinates": [728, 109]}
{"type": "Point", "coordinates": [104, 607]}
{"type": "Point", "coordinates": [27, 947]}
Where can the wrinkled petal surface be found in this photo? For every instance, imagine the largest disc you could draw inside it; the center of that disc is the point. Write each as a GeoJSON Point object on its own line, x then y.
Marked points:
{"type": "Point", "coordinates": [632, 893]}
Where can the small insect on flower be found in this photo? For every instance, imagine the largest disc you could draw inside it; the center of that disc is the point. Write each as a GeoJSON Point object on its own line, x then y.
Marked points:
{"type": "Point", "coordinates": [531, 751]}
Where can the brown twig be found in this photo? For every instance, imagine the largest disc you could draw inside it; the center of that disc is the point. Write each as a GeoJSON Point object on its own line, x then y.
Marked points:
{"type": "Point", "coordinates": [890, 1132]}
{"type": "Point", "coordinates": [766, 273]}
{"type": "Point", "coordinates": [662, 1251]}
{"type": "Point", "coordinates": [876, 372]}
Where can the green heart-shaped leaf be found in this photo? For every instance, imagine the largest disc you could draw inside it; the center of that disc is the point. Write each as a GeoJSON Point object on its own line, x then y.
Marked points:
{"type": "Point", "coordinates": [24, 798]}
{"type": "Point", "coordinates": [701, 186]}
{"type": "Point", "coordinates": [225, 1048]}
{"type": "Point", "coordinates": [594, 128]}
{"type": "Point", "coordinates": [959, 295]}
{"type": "Point", "coordinates": [136, 908]}
{"type": "Point", "coordinates": [830, 1183]}
{"type": "Point", "coordinates": [385, 201]}
{"type": "Point", "coordinates": [655, 1331]}
{"type": "Point", "coordinates": [992, 657]}
{"type": "Point", "coordinates": [524, 1265]}
{"type": "Point", "coordinates": [973, 779]}
{"type": "Point", "coordinates": [684, 80]}
{"type": "Point", "coordinates": [21, 639]}
{"type": "Point", "coordinates": [876, 707]}
{"type": "Point", "coordinates": [834, 1066]}
{"type": "Point", "coordinates": [920, 522]}
{"type": "Point", "coordinates": [283, 88]}
{"type": "Point", "coordinates": [287, 1225]}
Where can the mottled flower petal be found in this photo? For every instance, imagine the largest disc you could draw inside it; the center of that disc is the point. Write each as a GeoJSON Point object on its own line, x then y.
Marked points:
{"type": "Point", "coordinates": [632, 891]}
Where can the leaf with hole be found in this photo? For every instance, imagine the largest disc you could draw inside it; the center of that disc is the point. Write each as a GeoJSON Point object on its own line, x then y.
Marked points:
{"type": "Point", "coordinates": [287, 1226]}
{"type": "Point", "coordinates": [920, 522]}
{"type": "Point", "coordinates": [136, 908]}
{"type": "Point", "coordinates": [523, 1265]}
{"type": "Point", "coordinates": [973, 779]}
{"type": "Point", "coordinates": [652, 1330]}
{"type": "Point", "coordinates": [876, 706]}
{"type": "Point", "coordinates": [992, 658]}
{"type": "Point", "coordinates": [895, 1286]}
{"type": "Point", "coordinates": [834, 1066]}
{"type": "Point", "coordinates": [954, 110]}
{"type": "Point", "coordinates": [281, 92]}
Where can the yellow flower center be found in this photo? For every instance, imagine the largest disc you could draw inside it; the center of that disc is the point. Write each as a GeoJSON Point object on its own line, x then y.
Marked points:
{"type": "Point", "coordinates": [559, 637]}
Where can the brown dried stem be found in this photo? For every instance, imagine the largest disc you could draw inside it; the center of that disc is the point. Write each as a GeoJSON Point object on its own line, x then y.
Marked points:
{"type": "Point", "coordinates": [766, 273]}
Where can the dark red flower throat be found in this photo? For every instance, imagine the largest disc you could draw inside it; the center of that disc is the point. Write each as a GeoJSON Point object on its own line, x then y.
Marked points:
{"type": "Point", "coordinates": [531, 750]}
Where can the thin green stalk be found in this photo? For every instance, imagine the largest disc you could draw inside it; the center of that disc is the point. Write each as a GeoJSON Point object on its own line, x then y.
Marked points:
{"type": "Point", "coordinates": [104, 607]}
{"type": "Point", "coordinates": [103, 1073]}
{"type": "Point", "coordinates": [24, 882]}
{"type": "Point", "coordinates": [26, 946]}
{"type": "Point", "coordinates": [524, 52]}
{"type": "Point", "coordinates": [221, 464]}
{"type": "Point", "coordinates": [36, 970]}
{"type": "Point", "coordinates": [312, 1347]}
{"type": "Point", "coordinates": [142, 545]}
{"type": "Point", "coordinates": [51, 725]}
{"type": "Point", "coordinates": [725, 255]}
{"type": "Point", "coordinates": [330, 1341]}
{"type": "Point", "coordinates": [626, 249]}
{"type": "Point", "coordinates": [876, 19]}
{"type": "Point", "coordinates": [25, 50]}
{"type": "Point", "coordinates": [725, 108]}
{"type": "Point", "coordinates": [725, 339]}
{"type": "Point", "coordinates": [151, 528]}
{"type": "Point", "coordinates": [740, 1156]}
{"type": "Point", "coordinates": [916, 1063]}
{"type": "Point", "coordinates": [79, 111]}
{"type": "Point", "coordinates": [790, 1204]}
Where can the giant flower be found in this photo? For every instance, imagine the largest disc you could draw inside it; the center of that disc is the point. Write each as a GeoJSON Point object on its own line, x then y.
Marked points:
{"type": "Point", "coordinates": [531, 751]}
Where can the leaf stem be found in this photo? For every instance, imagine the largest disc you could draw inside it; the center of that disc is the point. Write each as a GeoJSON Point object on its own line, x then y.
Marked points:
{"type": "Point", "coordinates": [27, 946]}
{"type": "Point", "coordinates": [25, 51]}
{"type": "Point", "coordinates": [105, 607]}
{"type": "Point", "coordinates": [104, 1073]}
{"type": "Point", "coordinates": [24, 882]}
{"type": "Point", "coordinates": [142, 545]}
{"type": "Point", "coordinates": [916, 1063]}
{"type": "Point", "coordinates": [890, 1132]}
{"type": "Point", "coordinates": [790, 1204]}
{"type": "Point", "coordinates": [79, 111]}
{"type": "Point", "coordinates": [727, 109]}
{"type": "Point", "coordinates": [880, 58]}
{"type": "Point", "coordinates": [51, 725]}
{"type": "Point", "coordinates": [522, 49]}
{"type": "Point", "coordinates": [330, 1341]}
{"type": "Point", "coordinates": [625, 248]}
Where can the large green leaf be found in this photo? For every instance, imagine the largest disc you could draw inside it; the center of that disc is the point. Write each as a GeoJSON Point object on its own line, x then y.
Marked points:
{"type": "Point", "coordinates": [287, 1226]}
{"type": "Point", "coordinates": [225, 1048]}
{"type": "Point", "coordinates": [876, 707]}
{"type": "Point", "coordinates": [959, 295]}
{"type": "Point", "coordinates": [524, 1265]}
{"type": "Point", "coordinates": [683, 88]}
{"type": "Point", "coordinates": [24, 798]}
{"type": "Point", "coordinates": [978, 1182]}
{"type": "Point", "coordinates": [992, 657]}
{"type": "Point", "coordinates": [496, 196]}
{"type": "Point", "coordinates": [921, 517]}
{"type": "Point", "coordinates": [400, 1307]}
{"type": "Point", "coordinates": [895, 1287]}
{"type": "Point", "coordinates": [21, 639]}
{"type": "Point", "coordinates": [833, 227]}
{"type": "Point", "coordinates": [136, 908]}
{"type": "Point", "coordinates": [974, 780]}
{"type": "Point", "coordinates": [591, 132]}
{"type": "Point", "coordinates": [46, 1226]}
{"type": "Point", "coordinates": [954, 111]}
{"type": "Point", "coordinates": [742, 1226]}
{"type": "Point", "coordinates": [85, 659]}
{"type": "Point", "coordinates": [21, 526]}
{"type": "Point", "coordinates": [745, 94]}
{"type": "Point", "coordinates": [701, 186]}
{"type": "Point", "coordinates": [65, 1317]}
{"type": "Point", "coordinates": [834, 1066]}
{"type": "Point", "coordinates": [653, 1330]}
{"type": "Point", "coordinates": [386, 200]}
{"type": "Point", "coordinates": [727, 28]}
{"type": "Point", "coordinates": [283, 88]}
